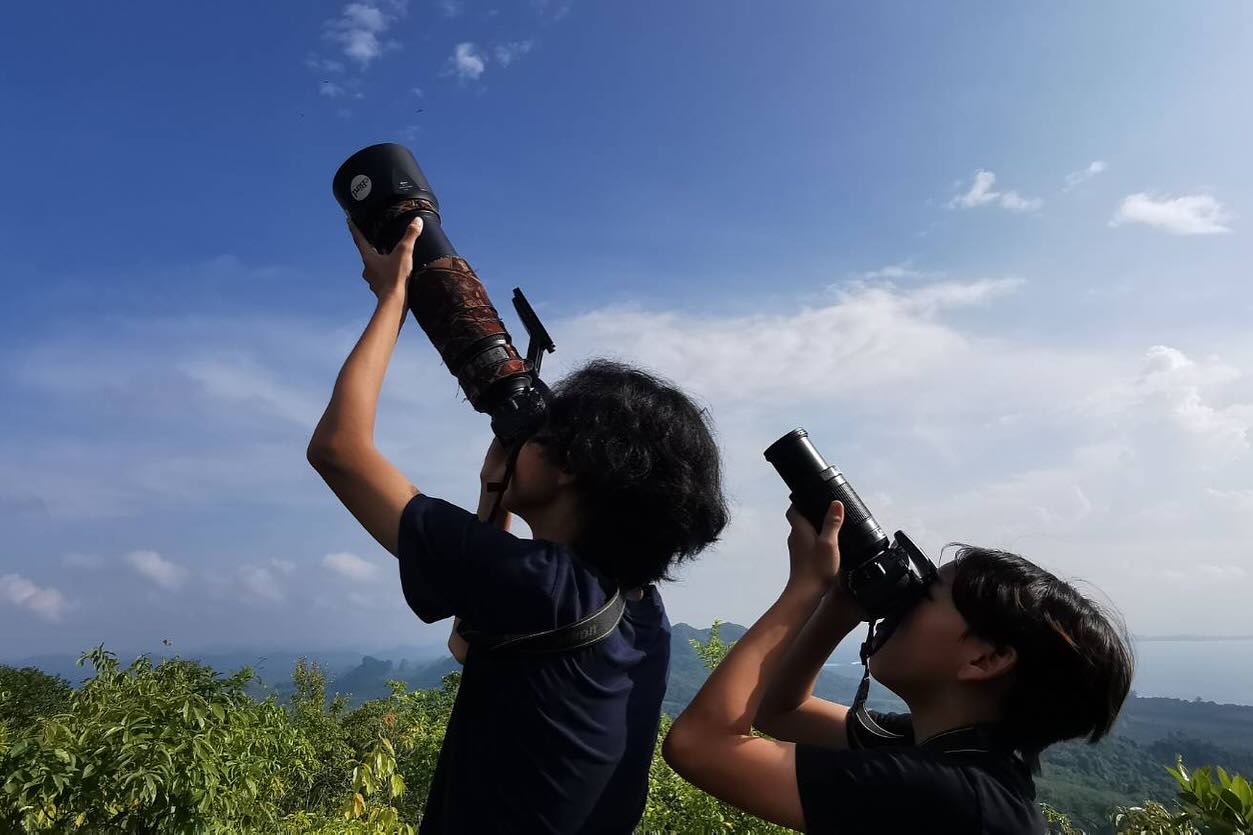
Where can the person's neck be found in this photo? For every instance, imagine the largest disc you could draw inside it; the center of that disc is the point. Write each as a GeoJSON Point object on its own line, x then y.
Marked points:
{"type": "Point", "coordinates": [555, 522]}
{"type": "Point", "coordinates": [950, 711]}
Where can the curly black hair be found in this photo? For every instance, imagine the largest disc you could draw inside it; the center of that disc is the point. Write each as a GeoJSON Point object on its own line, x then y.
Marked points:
{"type": "Point", "coordinates": [647, 471]}
{"type": "Point", "coordinates": [1074, 660]}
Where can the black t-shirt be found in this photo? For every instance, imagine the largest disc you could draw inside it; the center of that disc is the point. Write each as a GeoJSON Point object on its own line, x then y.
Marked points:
{"type": "Point", "coordinates": [950, 784]}
{"type": "Point", "coordinates": [558, 743]}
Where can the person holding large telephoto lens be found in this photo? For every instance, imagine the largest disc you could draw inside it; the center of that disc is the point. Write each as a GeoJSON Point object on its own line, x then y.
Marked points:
{"type": "Point", "coordinates": [997, 660]}
{"type": "Point", "coordinates": [619, 483]}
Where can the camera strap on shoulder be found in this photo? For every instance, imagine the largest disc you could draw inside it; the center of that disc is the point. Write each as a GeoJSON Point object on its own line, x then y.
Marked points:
{"type": "Point", "coordinates": [586, 632]}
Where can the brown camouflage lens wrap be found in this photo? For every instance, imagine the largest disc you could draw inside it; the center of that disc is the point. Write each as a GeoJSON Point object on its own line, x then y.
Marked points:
{"type": "Point", "coordinates": [451, 305]}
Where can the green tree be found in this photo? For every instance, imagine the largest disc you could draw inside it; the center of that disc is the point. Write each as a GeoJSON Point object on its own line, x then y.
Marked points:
{"type": "Point", "coordinates": [28, 693]}
{"type": "Point", "coordinates": [321, 724]}
{"type": "Point", "coordinates": [171, 748]}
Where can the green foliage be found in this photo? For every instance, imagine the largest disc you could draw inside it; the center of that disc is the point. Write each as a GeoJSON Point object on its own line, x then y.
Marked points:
{"type": "Point", "coordinates": [171, 748]}
{"type": "Point", "coordinates": [712, 652]}
{"type": "Point", "coordinates": [29, 693]}
{"type": "Point", "coordinates": [174, 747]}
{"type": "Point", "coordinates": [321, 725]}
{"type": "Point", "coordinates": [1057, 822]}
{"type": "Point", "coordinates": [1222, 806]}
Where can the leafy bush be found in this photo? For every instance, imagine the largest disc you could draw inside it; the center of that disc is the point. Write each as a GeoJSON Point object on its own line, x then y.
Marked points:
{"type": "Point", "coordinates": [1222, 807]}
{"type": "Point", "coordinates": [174, 747]}
{"type": "Point", "coordinates": [171, 748]}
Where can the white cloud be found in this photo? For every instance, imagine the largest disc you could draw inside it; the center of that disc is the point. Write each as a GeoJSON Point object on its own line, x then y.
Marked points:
{"type": "Point", "coordinates": [970, 424]}
{"type": "Point", "coordinates": [324, 65]}
{"type": "Point", "coordinates": [1075, 178]}
{"type": "Point", "coordinates": [44, 601]}
{"type": "Point", "coordinates": [168, 575]}
{"type": "Point", "coordinates": [243, 380]}
{"type": "Point", "coordinates": [981, 193]}
{"type": "Point", "coordinates": [870, 336]}
{"type": "Point", "coordinates": [507, 53]}
{"type": "Point", "coordinates": [897, 271]}
{"type": "Point", "coordinates": [264, 582]}
{"type": "Point", "coordinates": [1171, 386]}
{"type": "Point", "coordinates": [553, 9]}
{"type": "Point", "coordinates": [1189, 214]}
{"type": "Point", "coordinates": [351, 566]}
{"type": "Point", "coordinates": [467, 62]}
{"type": "Point", "coordinates": [1014, 202]}
{"type": "Point", "coordinates": [450, 8]}
{"type": "Point", "coordinates": [332, 90]}
{"type": "Point", "coordinates": [358, 31]}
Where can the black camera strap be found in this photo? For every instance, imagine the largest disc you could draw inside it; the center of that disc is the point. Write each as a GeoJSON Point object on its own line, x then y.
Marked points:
{"type": "Point", "coordinates": [863, 730]}
{"type": "Point", "coordinates": [586, 632]}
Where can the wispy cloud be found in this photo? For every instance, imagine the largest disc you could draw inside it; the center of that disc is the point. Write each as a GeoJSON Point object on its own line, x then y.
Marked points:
{"type": "Point", "coordinates": [1174, 387]}
{"type": "Point", "coordinates": [1075, 178]}
{"type": "Point", "coordinates": [507, 53]}
{"type": "Point", "coordinates": [332, 90]}
{"type": "Point", "coordinates": [265, 582]}
{"type": "Point", "coordinates": [350, 566]}
{"type": "Point", "coordinates": [358, 30]}
{"type": "Point", "coordinates": [450, 8]}
{"type": "Point", "coordinates": [43, 601]}
{"type": "Point", "coordinates": [552, 9]}
{"type": "Point", "coordinates": [1189, 214]}
{"type": "Point", "coordinates": [982, 193]}
{"type": "Point", "coordinates": [896, 271]}
{"type": "Point", "coordinates": [467, 63]}
{"type": "Point", "coordinates": [324, 65]}
{"type": "Point", "coordinates": [152, 566]}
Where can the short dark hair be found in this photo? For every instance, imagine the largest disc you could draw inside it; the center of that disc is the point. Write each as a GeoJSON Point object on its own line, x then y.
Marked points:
{"type": "Point", "coordinates": [1074, 660]}
{"type": "Point", "coordinates": [647, 470]}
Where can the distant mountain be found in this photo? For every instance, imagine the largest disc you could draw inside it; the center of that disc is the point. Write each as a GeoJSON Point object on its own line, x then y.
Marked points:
{"type": "Point", "coordinates": [368, 680]}
{"type": "Point", "coordinates": [273, 667]}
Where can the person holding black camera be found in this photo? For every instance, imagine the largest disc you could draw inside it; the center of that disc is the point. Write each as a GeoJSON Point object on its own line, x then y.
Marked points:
{"type": "Point", "coordinates": [996, 658]}
{"type": "Point", "coordinates": [619, 483]}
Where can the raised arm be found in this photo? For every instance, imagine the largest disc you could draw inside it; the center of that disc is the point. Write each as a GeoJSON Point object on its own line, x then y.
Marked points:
{"type": "Point", "coordinates": [711, 743]}
{"type": "Point", "coordinates": [342, 447]}
{"type": "Point", "coordinates": [789, 710]}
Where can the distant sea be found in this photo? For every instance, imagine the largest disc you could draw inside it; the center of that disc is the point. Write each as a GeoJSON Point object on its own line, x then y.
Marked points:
{"type": "Point", "coordinates": [1213, 670]}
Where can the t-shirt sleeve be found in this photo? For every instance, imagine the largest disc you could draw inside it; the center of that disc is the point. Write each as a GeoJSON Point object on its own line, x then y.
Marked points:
{"type": "Point", "coordinates": [451, 563]}
{"type": "Point", "coordinates": [876, 791]}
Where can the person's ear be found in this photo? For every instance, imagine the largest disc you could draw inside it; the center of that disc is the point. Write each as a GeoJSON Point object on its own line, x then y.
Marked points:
{"type": "Point", "coordinates": [989, 662]}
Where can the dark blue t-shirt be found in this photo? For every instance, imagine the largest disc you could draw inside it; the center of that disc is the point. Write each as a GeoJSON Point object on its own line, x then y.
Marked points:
{"type": "Point", "coordinates": [558, 743]}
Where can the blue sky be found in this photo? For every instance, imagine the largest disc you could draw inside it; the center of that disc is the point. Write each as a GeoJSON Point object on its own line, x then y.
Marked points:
{"type": "Point", "coordinates": [994, 258]}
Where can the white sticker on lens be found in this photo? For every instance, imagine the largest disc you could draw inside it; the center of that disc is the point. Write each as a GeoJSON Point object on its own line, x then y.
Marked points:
{"type": "Point", "coordinates": [359, 187]}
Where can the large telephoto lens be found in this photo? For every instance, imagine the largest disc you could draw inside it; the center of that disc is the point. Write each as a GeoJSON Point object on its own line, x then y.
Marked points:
{"type": "Point", "coordinates": [815, 484]}
{"type": "Point", "coordinates": [382, 189]}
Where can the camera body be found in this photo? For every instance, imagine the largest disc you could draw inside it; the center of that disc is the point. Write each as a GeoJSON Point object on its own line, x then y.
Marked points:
{"type": "Point", "coordinates": [885, 576]}
{"type": "Point", "coordinates": [382, 189]}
